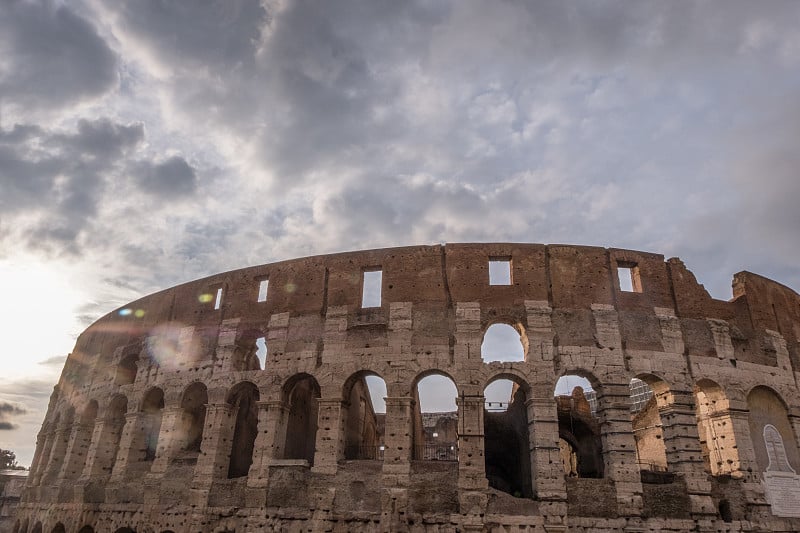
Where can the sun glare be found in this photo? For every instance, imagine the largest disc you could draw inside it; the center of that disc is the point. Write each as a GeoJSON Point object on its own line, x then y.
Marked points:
{"type": "Point", "coordinates": [38, 316]}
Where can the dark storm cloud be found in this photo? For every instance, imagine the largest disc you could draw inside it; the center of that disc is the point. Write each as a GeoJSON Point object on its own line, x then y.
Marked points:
{"type": "Point", "coordinates": [7, 426]}
{"type": "Point", "coordinates": [9, 410]}
{"type": "Point", "coordinates": [51, 55]}
{"type": "Point", "coordinates": [59, 176]}
{"type": "Point", "coordinates": [168, 179]}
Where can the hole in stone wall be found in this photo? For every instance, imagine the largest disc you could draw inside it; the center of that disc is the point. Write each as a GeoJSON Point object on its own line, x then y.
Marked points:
{"type": "Point", "coordinates": [578, 429]}
{"type": "Point", "coordinates": [646, 422]}
{"type": "Point", "coordinates": [629, 277]}
{"type": "Point", "coordinates": [365, 416]}
{"type": "Point", "coordinates": [371, 288]}
{"type": "Point", "coordinates": [261, 352]}
{"type": "Point", "coordinates": [502, 343]}
{"type": "Point", "coordinates": [500, 271]}
{"type": "Point", "coordinates": [435, 411]}
{"type": "Point", "coordinates": [244, 399]}
{"type": "Point", "coordinates": [218, 299]}
{"type": "Point", "coordinates": [193, 417]}
{"type": "Point", "coordinates": [301, 427]}
{"type": "Point", "coordinates": [152, 407]}
{"type": "Point", "coordinates": [507, 450]}
{"type": "Point", "coordinates": [263, 286]}
{"type": "Point", "coordinates": [126, 371]}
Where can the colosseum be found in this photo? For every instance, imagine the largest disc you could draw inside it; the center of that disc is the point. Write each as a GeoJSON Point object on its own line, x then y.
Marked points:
{"type": "Point", "coordinates": [245, 401]}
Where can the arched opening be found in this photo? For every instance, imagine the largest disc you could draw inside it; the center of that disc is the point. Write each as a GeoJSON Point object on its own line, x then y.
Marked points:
{"type": "Point", "coordinates": [364, 416]}
{"type": "Point", "coordinates": [59, 528]}
{"type": "Point", "coordinates": [86, 529]}
{"type": "Point", "coordinates": [244, 399]}
{"type": "Point", "coordinates": [83, 438]}
{"type": "Point", "coordinates": [715, 429]}
{"type": "Point", "coordinates": [301, 394]}
{"type": "Point", "coordinates": [506, 445]}
{"type": "Point", "coordinates": [124, 530]}
{"type": "Point", "coordinates": [126, 370]}
{"type": "Point", "coordinates": [502, 342]}
{"type": "Point", "coordinates": [251, 350]}
{"type": "Point", "coordinates": [648, 394]}
{"type": "Point", "coordinates": [15, 529]}
{"type": "Point", "coordinates": [580, 443]}
{"type": "Point", "coordinates": [152, 407]}
{"type": "Point", "coordinates": [37, 528]}
{"type": "Point", "coordinates": [772, 435]}
{"type": "Point", "coordinates": [725, 511]}
{"type": "Point", "coordinates": [435, 418]}
{"type": "Point", "coordinates": [193, 418]}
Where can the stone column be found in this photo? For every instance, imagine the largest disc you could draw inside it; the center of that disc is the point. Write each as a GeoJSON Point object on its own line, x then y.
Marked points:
{"type": "Point", "coordinates": [77, 448]}
{"type": "Point", "coordinates": [171, 439]}
{"type": "Point", "coordinates": [58, 451]}
{"type": "Point", "coordinates": [44, 443]}
{"type": "Point", "coordinates": [130, 449]}
{"type": "Point", "coordinates": [269, 442]}
{"type": "Point", "coordinates": [329, 423]}
{"type": "Point", "coordinates": [212, 463]}
{"type": "Point", "coordinates": [102, 453]}
{"type": "Point", "coordinates": [547, 472]}
{"type": "Point", "coordinates": [398, 440]}
{"type": "Point", "coordinates": [682, 447]}
{"type": "Point", "coordinates": [619, 446]}
{"type": "Point", "coordinates": [472, 481]}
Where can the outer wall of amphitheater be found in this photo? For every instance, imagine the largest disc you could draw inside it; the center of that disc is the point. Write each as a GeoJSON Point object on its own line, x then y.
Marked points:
{"type": "Point", "coordinates": [165, 420]}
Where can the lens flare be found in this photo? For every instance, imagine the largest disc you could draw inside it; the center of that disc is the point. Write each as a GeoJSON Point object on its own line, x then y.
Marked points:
{"type": "Point", "coordinates": [290, 287]}
{"type": "Point", "coordinates": [171, 345]}
{"type": "Point", "coordinates": [205, 298]}
{"type": "Point", "coordinates": [125, 312]}
{"type": "Point", "coordinates": [139, 313]}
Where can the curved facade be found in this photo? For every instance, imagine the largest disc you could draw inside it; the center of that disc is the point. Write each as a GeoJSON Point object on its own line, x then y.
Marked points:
{"type": "Point", "coordinates": [168, 417]}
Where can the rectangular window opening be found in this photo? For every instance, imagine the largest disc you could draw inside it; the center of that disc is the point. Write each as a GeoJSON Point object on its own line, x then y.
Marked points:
{"type": "Point", "coordinates": [629, 278]}
{"type": "Point", "coordinates": [499, 271]}
{"type": "Point", "coordinates": [263, 285]}
{"type": "Point", "coordinates": [218, 301]}
{"type": "Point", "coordinates": [371, 289]}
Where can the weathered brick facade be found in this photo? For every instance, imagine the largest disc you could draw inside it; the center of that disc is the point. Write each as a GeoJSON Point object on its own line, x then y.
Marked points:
{"type": "Point", "coordinates": [163, 420]}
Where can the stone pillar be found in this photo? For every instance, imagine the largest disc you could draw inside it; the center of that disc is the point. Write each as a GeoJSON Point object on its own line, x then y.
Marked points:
{"type": "Point", "coordinates": [212, 463]}
{"type": "Point", "coordinates": [79, 442]}
{"type": "Point", "coordinates": [472, 481]}
{"type": "Point", "coordinates": [398, 439]}
{"type": "Point", "coordinates": [329, 424]}
{"type": "Point", "coordinates": [44, 441]}
{"type": "Point", "coordinates": [619, 446]}
{"type": "Point", "coordinates": [102, 453]}
{"type": "Point", "coordinates": [130, 449]}
{"type": "Point", "coordinates": [269, 441]}
{"type": "Point", "coordinates": [547, 472]}
{"type": "Point", "coordinates": [61, 438]}
{"type": "Point", "coordinates": [682, 447]}
{"type": "Point", "coordinates": [758, 507]}
{"type": "Point", "coordinates": [171, 438]}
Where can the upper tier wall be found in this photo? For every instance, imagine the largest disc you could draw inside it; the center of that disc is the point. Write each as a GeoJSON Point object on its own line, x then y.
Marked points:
{"type": "Point", "coordinates": [432, 278]}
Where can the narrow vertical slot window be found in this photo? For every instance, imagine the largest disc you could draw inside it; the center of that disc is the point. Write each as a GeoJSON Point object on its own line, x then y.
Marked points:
{"type": "Point", "coordinates": [629, 278]}
{"type": "Point", "coordinates": [218, 300]}
{"type": "Point", "coordinates": [262, 290]}
{"type": "Point", "coordinates": [499, 271]}
{"type": "Point", "coordinates": [371, 288]}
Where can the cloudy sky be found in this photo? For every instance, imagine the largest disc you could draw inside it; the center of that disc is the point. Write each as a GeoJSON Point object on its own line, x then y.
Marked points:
{"type": "Point", "coordinates": [151, 142]}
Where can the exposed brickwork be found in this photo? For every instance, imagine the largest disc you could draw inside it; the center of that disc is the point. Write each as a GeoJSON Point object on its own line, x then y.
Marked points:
{"type": "Point", "coordinates": [164, 419]}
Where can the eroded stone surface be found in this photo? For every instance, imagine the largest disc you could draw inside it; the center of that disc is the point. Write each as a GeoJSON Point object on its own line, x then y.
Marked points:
{"type": "Point", "coordinates": [166, 419]}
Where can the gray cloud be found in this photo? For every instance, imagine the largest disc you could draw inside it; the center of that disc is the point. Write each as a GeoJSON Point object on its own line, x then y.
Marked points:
{"type": "Point", "coordinates": [52, 55]}
{"type": "Point", "coordinates": [168, 179]}
{"type": "Point", "coordinates": [5, 426]}
{"type": "Point", "coordinates": [8, 410]}
{"type": "Point", "coordinates": [57, 361]}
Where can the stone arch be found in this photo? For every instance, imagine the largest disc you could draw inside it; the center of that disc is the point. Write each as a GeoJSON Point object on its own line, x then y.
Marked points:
{"type": "Point", "coordinates": [649, 394]}
{"type": "Point", "coordinates": [767, 408]}
{"type": "Point", "coordinates": [579, 432]}
{"type": "Point", "coordinates": [301, 394]}
{"type": "Point", "coordinates": [715, 428]}
{"type": "Point", "coordinates": [125, 530]}
{"type": "Point", "coordinates": [58, 528]}
{"type": "Point", "coordinates": [434, 424]}
{"type": "Point", "coordinates": [243, 398]}
{"type": "Point", "coordinates": [37, 528]}
{"type": "Point", "coordinates": [86, 529]}
{"type": "Point", "coordinates": [504, 341]}
{"type": "Point", "coordinates": [152, 407]}
{"type": "Point", "coordinates": [126, 370]}
{"type": "Point", "coordinates": [363, 421]}
{"type": "Point", "coordinates": [193, 416]}
{"type": "Point", "coordinates": [507, 456]}
{"type": "Point", "coordinates": [115, 419]}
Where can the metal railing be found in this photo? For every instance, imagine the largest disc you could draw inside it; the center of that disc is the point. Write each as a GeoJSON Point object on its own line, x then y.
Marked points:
{"type": "Point", "coordinates": [364, 452]}
{"type": "Point", "coordinates": [445, 451]}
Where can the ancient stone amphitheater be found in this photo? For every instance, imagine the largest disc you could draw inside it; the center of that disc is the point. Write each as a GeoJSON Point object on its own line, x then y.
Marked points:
{"type": "Point", "coordinates": [243, 401]}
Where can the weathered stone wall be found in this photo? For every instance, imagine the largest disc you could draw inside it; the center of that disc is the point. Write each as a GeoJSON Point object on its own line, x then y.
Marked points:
{"type": "Point", "coordinates": [114, 451]}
